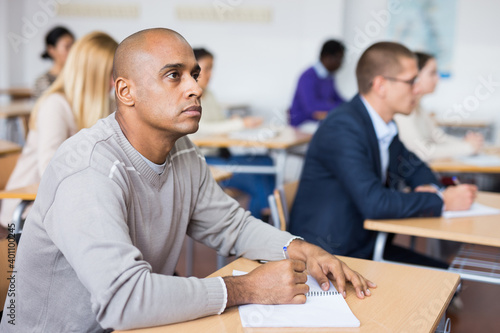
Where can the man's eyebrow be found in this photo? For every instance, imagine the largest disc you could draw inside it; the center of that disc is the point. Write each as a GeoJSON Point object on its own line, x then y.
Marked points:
{"type": "Point", "coordinates": [178, 66]}
{"type": "Point", "coordinates": [170, 66]}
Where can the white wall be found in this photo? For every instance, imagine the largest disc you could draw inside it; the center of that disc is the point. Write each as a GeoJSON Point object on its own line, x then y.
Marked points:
{"type": "Point", "coordinates": [4, 76]}
{"type": "Point", "coordinates": [476, 58]}
{"type": "Point", "coordinates": [259, 63]}
{"type": "Point", "coordinates": [256, 63]}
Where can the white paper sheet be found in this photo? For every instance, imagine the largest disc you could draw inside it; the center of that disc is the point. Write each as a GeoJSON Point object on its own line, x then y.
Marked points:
{"type": "Point", "coordinates": [318, 311]}
{"type": "Point", "coordinates": [481, 160]}
{"type": "Point", "coordinates": [476, 209]}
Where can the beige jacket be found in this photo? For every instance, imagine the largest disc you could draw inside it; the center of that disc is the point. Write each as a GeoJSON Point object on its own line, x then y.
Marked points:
{"type": "Point", "coordinates": [420, 134]}
{"type": "Point", "coordinates": [55, 123]}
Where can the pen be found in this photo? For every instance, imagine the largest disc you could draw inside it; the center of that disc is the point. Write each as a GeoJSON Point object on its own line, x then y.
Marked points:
{"type": "Point", "coordinates": [286, 253]}
{"type": "Point", "coordinates": [455, 180]}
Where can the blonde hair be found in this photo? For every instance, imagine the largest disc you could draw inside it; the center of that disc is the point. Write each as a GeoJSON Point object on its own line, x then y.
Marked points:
{"type": "Point", "coordinates": [84, 80]}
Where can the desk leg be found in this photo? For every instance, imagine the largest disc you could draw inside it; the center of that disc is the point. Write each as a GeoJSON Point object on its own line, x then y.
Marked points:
{"type": "Point", "coordinates": [378, 253]}
{"type": "Point", "coordinates": [17, 217]}
{"type": "Point", "coordinates": [280, 166]}
{"type": "Point", "coordinates": [221, 261]}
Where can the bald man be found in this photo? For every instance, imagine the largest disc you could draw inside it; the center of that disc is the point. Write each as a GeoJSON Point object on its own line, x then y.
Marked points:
{"type": "Point", "coordinates": [100, 246]}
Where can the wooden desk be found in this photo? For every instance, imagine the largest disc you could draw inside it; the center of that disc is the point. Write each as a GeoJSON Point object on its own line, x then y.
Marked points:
{"type": "Point", "coordinates": [454, 165]}
{"type": "Point", "coordinates": [8, 147]}
{"type": "Point", "coordinates": [9, 153]}
{"type": "Point", "coordinates": [407, 299]}
{"type": "Point", "coordinates": [23, 193]}
{"type": "Point", "coordinates": [286, 139]}
{"type": "Point", "coordinates": [21, 109]}
{"type": "Point", "coordinates": [220, 174]}
{"type": "Point", "coordinates": [17, 92]}
{"type": "Point", "coordinates": [16, 109]}
{"type": "Point", "coordinates": [482, 230]}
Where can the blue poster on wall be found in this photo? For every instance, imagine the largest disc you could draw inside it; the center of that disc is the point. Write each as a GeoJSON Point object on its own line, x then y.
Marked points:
{"type": "Point", "coordinates": [427, 26]}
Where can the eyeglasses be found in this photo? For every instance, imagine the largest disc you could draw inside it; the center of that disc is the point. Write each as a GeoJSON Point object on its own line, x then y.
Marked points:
{"type": "Point", "coordinates": [411, 82]}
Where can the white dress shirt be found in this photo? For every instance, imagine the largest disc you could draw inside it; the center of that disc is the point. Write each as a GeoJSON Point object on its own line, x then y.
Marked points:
{"type": "Point", "coordinates": [385, 134]}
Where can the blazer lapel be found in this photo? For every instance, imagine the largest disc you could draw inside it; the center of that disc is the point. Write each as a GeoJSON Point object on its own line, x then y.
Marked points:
{"type": "Point", "coordinates": [360, 108]}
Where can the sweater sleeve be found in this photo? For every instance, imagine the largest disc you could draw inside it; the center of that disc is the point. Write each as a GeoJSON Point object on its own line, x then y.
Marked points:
{"type": "Point", "coordinates": [54, 122]}
{"type": "Point", "coordinates": [221, 223]}
{"type": "Point", "coordinates": [95, 240]}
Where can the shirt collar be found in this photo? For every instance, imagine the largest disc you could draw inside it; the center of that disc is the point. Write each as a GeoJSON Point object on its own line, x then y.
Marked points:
{"type": "Point", "coordinates": [385, 132]}
{"type": "Point", "coordinates": [158, 168]}
{"type": "Point", "coordinates": [321, 70]}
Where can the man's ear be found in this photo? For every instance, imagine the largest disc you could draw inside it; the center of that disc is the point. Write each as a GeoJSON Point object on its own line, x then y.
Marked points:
{"type": "Point", "coordinates": [124, 92]}
{"type": "Point", "coordinates": [379, 86]}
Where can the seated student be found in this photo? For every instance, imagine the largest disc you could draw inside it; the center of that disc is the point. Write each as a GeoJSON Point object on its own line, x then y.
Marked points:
{"type": "Point", "coordinates": [316, 92]}
{"type": "Point", "coordinates": [76, 100]}
{"type": "Point", "coordinates": [356, 164]}
{"type": "Point", "coordinates": [102, 240]}
{"type": "Point", "coordinates": [419, 132]}
{"type": "Point", "coordinates": [213, 121]}
{"type": "Point", "coordinates": [58, 42]}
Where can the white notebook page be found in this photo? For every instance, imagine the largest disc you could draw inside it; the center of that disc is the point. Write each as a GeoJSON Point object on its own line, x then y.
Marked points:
{"type": "Point", "coordinates": [476, 209]}
{"type": "Point", "coordinates": [318, 311]}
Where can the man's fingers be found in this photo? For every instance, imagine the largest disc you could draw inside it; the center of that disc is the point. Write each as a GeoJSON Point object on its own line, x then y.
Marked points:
{"type": "Point", "coordinates": [300, 277]}
{"type": "Point", "coordinates": [338, 271]}
{"type": "Point", "coordinates": [298, 265]}
{"type": "Point", "coordinates": [322, 279]}
{"type": "Point", "coordinates": [299, 299]}
{"type": "Point", "coordinates": [359, 284]}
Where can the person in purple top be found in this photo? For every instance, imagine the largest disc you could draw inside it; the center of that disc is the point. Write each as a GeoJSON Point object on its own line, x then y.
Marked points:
{"type": "Point", "coordinates": [316, 94]}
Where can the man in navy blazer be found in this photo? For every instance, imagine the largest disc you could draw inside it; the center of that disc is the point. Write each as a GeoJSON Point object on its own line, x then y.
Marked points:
{"type": "Point", "coordinates": [356, 168]}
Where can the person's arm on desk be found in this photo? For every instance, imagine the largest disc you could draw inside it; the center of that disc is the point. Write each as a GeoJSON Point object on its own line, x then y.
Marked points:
{"type": "Point", "coordinates": [459, 197]}
{"type": "Point", "coordinates": [283, 282]}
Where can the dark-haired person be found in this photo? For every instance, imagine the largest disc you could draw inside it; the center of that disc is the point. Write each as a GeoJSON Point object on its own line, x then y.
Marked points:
{"type": "Point", "coordinates": [316, 91]}
{"type": "Point", "coordinates": [214, 121]}
{"type": "Point", "coordinates": [58, 41]}
{"type": "Point", "coordinates": [420, 133]}
{"type": "Point", "coordinates": [356, 165]}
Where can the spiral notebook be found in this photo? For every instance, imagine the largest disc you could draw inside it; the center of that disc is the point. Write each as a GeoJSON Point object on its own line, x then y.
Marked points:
{"type": "Point", "coordinates": [322, 309]}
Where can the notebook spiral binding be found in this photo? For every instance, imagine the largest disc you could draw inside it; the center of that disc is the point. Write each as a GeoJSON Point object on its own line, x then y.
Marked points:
{"type": "Point", "coordinates": [322, 293]}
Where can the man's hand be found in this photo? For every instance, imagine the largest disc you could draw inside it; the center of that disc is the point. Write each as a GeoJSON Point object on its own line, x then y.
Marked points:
{"type": "Point", "coordinates": [280, 282]}
{"type": "Point", "coordinates": [324, 266]}
{"type": "Point", "coordinates": [426, 188]}
{"type": "Point", "coordinates": [459, 197]}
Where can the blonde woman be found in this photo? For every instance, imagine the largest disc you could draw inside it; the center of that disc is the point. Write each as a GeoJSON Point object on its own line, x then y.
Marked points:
{"type": "Point", "coordinates": [77, 99]}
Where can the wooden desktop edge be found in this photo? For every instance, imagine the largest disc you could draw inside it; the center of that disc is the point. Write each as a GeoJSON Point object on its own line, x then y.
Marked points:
{"type": "Point", "coordinates": [420, 226]}
{"type": "Point", "coordinates": [289, 138]}
{"type": "Point", "coordinates": [232, 321]}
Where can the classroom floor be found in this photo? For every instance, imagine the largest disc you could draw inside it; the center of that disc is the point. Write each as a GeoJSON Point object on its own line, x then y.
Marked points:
{"type": "Point", "coordinates": [481, 301]}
